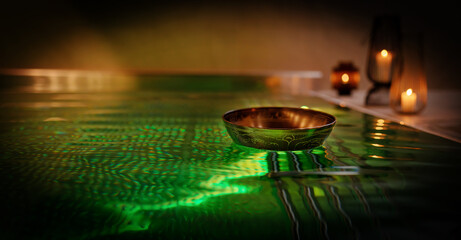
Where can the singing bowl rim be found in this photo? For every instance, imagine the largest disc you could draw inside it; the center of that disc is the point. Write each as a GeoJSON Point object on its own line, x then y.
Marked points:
{"type": "Point", "coordinates": [333, 122]}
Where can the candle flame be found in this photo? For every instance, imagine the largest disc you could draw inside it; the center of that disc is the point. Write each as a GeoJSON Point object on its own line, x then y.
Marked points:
{"type": "Point", "coordinates": [409, 91]}
{"type": "Point", "coordinates": [345, 78]}
{"type": "Point", "coordinates": [384, 53]}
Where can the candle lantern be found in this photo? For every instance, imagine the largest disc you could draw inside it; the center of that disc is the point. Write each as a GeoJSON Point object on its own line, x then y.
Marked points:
{"type": "Point", "coordinates": [384, 58]}
{"type": "Point", "coordinates": [409, 91]}
{"type": "Point", "coordinates": [345, 77]}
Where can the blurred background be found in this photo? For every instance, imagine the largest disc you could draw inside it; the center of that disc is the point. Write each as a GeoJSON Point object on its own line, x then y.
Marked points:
{"type": "Point", "coordinates": [220, 35]}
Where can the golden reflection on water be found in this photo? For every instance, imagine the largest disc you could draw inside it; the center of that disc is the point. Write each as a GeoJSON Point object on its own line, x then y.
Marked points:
{"type": "Point", "coordinates": [381, 124]}
{"type": "Point", "coordinates": [76, 81]}
{"type": "Point", "coordinates": [81, 82]}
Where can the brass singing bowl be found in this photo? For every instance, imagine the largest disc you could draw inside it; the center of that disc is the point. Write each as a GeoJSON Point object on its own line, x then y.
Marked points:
{"type": "Point", "coordinates": [279, 128]}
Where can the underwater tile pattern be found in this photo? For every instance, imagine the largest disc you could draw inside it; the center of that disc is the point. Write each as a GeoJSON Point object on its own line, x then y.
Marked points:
{"type": "Point", "coordinates": [154, 161]}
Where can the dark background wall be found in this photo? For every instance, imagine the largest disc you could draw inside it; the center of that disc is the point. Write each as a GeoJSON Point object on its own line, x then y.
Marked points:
{"type": "Point", "coordinates": [220, 35]}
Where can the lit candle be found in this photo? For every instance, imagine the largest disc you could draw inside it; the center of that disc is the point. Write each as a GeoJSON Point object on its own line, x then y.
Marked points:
{"type": "Point", "coordinates": [383, 65]}
{"type": "Point", "coordinates": [345, 78]}
{"type": "Point", "coordinates": [408, 99]}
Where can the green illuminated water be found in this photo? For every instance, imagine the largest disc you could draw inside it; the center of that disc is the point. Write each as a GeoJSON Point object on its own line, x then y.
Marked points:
{"type": "Point", "coordinates": [153, 161]}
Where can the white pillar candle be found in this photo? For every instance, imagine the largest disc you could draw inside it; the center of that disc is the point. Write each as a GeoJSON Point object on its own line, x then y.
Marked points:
{"type": "Point", "coordinates": [383, 65]}
{"type": "Point", "coordinates": [408, 100]}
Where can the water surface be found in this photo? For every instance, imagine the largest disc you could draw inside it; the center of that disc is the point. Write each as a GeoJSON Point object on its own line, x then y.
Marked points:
{"type": "Point", "coordinates": [149, 158]}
